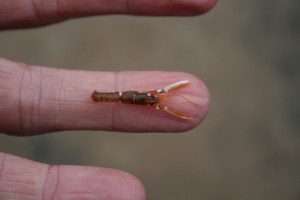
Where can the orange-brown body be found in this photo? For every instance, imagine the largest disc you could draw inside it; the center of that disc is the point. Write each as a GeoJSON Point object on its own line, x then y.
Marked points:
{"type": "Point", "coordinates": [142, 98]}
{"type": "Point", "coordinates": [129, 97]}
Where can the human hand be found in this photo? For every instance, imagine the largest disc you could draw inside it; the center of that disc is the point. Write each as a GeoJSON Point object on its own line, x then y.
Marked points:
{"type": "Point", "coordinates": [35, 100]}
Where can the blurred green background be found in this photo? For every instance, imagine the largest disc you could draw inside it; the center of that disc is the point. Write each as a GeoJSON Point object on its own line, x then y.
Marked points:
{"type": "Point", "coordinates": [247, 52]}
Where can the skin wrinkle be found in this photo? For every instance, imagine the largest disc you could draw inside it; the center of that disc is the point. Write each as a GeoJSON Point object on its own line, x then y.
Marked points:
{"type": "Point", "coordinates": [61, 101]}
{"type": "Point", "coordinates": [52, 170]}
{"type": "Point", "coordinates": [39, 92]}
{"type": "Point", "coordinates": [20, 103]}
{"type": "Point", "coordinates": [58, 10]}
{"type": "Point", "coordinates": [37, 11]}
{"type": "Point", "coordinates": [5, 73]}
{"type": "Point", "coordinates": [128, 6]}
{"type": "Point", "coordinates": [31, 73]}
{"type": "Point", "coordinates": [31, 106]}
{"type": "Point", "coordinates": [35, 102]}
{"type": "Point", "coordinates": [30, 196]}
{"type": "Point", "coordinates": [28, 72]}
{"type": "Point", "coordinates": [5, 77]}
{"type": "Point", "coordinates": [57, 183]}
{"type": "Point", "coordinates": [2, 165]}
{"type": "Point", "coordinates": [45, 182]}
{"type": "Point", "coordinates": [20, 181]}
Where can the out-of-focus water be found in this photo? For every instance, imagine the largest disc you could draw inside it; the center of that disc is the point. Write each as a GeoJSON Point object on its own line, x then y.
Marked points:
{"type": "Point", "coordinates": [247, 52]}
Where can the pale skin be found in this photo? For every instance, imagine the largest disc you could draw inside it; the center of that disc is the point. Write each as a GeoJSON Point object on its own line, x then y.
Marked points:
{"type": "Point", "coordinates": [35, 100]}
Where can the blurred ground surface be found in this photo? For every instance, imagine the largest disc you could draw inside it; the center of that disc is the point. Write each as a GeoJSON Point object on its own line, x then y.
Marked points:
{"type": "Point", "coordinates": [247, 52]}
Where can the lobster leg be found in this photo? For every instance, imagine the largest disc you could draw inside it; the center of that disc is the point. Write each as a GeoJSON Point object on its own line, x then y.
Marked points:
{"type": "Point", "coordinates": [172, 112]}
{"type": "Point", "coordinates": [174, 86]}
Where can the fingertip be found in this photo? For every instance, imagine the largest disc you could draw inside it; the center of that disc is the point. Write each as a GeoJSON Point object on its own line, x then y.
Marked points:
{"type": "Point", "coordinates": [196, 7]}
{"type": "Point", "coordinates": [129, 185]}
{"type": "Point", "coordinates": [198, 94]}
{"type": "Point", "coordinates": [208, 5]}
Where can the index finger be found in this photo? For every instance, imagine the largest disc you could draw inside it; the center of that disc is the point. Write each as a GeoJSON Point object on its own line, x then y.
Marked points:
{"type": "Point", "coordinates": [31, 13]}
{"type": "Point", "coordinates": [38, 100]}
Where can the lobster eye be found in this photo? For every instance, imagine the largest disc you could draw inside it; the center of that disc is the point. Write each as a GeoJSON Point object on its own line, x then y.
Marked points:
{"type": "Point", "coordinates": [151, 97]}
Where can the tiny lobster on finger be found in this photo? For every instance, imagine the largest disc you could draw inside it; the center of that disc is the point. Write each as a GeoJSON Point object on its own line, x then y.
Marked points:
{"type": "Point", "coordinates": [142, 98]}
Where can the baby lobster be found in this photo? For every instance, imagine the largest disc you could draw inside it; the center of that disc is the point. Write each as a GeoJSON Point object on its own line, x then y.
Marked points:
{"type": "Point", "coordinates": [142, 98]}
